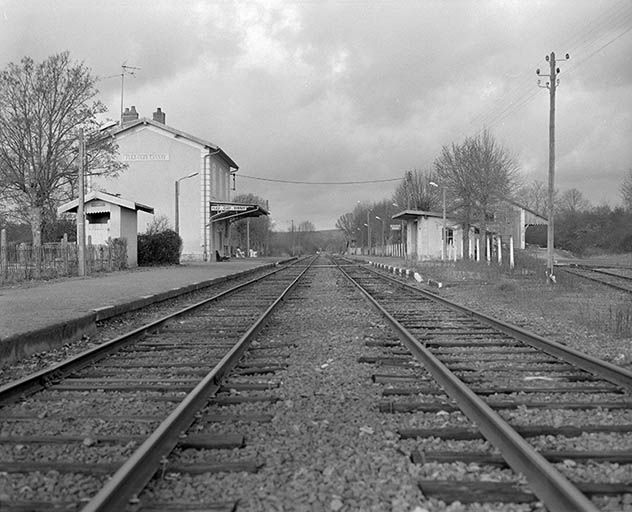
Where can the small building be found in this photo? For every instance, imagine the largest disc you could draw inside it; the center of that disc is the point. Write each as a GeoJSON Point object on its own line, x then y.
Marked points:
{"type": "Point", "coordinates": [424, 228]}
{"type": "Point", "coordinates": [110, 216]}
{"type": "Point", "coordinates": [179, 173]}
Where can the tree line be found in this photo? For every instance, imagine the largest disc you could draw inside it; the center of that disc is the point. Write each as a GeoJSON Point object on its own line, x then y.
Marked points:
{"type": "Point", "coordinates": [474, 177]}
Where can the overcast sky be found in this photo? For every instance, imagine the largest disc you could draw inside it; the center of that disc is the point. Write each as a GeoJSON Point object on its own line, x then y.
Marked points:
{"type": "Point", "coordinates": [356, 90]}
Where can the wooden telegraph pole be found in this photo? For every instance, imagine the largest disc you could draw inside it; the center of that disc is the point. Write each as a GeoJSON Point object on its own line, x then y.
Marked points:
{"type": "Point", "coordinates": [551, 85]}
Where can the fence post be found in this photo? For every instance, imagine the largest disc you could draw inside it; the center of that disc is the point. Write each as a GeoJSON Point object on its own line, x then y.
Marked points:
{"type": "Point", "coordinates": [500, 251]}
{"type": "Point", "coordinates": [64, 253]}
{"type": "Point", "coordinates": [91, 257]}
{"type": "Point", "coordinates": [4, 267]}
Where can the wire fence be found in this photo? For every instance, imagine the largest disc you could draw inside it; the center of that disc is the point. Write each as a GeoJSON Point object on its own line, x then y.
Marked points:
{"type": "Point", "coordinates": [23, 262]}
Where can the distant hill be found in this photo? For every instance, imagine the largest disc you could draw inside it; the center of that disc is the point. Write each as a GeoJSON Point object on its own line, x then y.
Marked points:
{"type": "Point", "coordinates": [286, 242]}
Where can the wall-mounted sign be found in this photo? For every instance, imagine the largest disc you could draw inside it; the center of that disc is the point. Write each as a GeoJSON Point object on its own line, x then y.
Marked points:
{"type": "Point", "coordinates": [144, 157]}
{"type": "Point", "coordinates": [396, 227]}
{"type": "Point", "coordinates": [230, 207]}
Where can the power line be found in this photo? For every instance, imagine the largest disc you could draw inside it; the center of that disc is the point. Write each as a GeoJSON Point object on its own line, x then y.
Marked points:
{"type": "Point", "coordinates": [296, 182]}
{"type": "Point", "coordinates": [522, 95]}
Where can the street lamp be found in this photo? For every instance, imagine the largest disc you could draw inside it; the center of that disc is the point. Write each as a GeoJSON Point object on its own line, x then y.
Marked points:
{"type": "Point", "coordinates": [443, 229]}
{"type": "Point", "coordinates": [177, 215]}
{"type": "Point", "coordinates": [382, 221]}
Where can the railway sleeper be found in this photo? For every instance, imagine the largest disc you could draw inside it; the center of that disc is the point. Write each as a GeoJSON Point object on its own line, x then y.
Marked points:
{"type": "Point", "coordinates": [466, 434]}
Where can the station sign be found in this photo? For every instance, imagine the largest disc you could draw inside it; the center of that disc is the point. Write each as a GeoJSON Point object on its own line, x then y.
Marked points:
{"type": "Point", "coordinates": [396, 227]}
{"type": "Point", "coordinates": [230, 207]}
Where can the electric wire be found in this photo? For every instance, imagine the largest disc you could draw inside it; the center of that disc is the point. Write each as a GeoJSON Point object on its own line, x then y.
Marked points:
{"type": "Point", "coordinates": [525, 93]}
{"type": "Point", "coordinates": [298, 182]}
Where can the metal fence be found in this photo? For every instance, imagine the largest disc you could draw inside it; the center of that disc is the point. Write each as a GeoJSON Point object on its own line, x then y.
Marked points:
{"type": "Point", "coordinates": [23, 262]}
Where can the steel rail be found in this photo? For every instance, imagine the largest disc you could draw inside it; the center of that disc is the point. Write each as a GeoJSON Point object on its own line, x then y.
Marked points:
{"type": "Point", "coordinates": [608, 371]}
{"type": "Point", "coordinates": [43, 378]}
{"type": "Point", "coordinates": [134, 474]}
{"type": "Point", "coordinates": [570, 271]}
{"type": "Point", "coordinates": [555, 491]}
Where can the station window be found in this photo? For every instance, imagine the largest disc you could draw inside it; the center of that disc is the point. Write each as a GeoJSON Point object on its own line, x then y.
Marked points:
{"type": "Point", "coordinates": [449, 236]}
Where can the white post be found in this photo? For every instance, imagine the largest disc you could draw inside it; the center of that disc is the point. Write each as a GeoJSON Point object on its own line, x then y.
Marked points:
{"type": "Point", "coordinates": [488, 250]}
{"type": "Point", "coordinates": [469, 248]}
{"type": "Point", "coordinates": [511, 252]}
{"type": "Point", "coordinates": [500, 250]}
{"type": "Point", "coordinates": [478, 249]}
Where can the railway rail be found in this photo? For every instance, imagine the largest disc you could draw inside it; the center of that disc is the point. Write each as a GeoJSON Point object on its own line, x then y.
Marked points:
{"type": "Point", "coordinates": [487, 369]}
{"type": "Point", "coordinates": [168, 369]}
{"type": "Point", "coordinates": [618, 278]}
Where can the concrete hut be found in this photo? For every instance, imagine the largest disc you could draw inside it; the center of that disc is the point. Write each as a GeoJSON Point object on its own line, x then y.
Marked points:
{"type": "Point", "coordinates": [110, 216]}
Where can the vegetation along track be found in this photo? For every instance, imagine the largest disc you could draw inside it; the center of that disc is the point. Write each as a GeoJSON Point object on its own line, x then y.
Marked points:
{"type": "Point", "coordinates": [619, 278]}
{"type": "Point", "coordinates": [575, 410]}
{"type": "Point", "coordinates": [131, 398]}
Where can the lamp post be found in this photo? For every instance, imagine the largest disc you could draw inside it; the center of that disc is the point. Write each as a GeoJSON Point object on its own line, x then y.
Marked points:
{"type": "Point", "coordinates": [382, 221]}
{"type": "Point", "coordinates": [177, 205]}
{"type": "Point", "coordinates": [443, 229]}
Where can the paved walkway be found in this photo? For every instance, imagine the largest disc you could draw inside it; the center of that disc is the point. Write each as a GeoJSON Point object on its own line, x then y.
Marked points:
{"type": "Point", "coordinates": [34, 316]}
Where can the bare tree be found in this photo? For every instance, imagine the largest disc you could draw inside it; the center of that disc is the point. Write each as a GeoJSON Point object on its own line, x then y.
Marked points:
{"type": "Point", "coordinates": [259, 227]}
{"type": "Point", "coordinates": [42, 106]}
{"type": "Point", "coordinates": [626, 190]}
{"type": "Point", "coordinates": [346, 224]}
{"type": "Point", "coordinates": [534, 196]}
{"type": "Point", "coordinates": [573, 201]}
{"type": "Point", "coordinates": [477, 174]}
{"type": "Point", "coordinates": [415, 192]}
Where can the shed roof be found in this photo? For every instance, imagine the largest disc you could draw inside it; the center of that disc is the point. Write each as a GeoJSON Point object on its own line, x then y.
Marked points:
{"type": "Point", "coordinates": [415, 214]}
{"type": "Point", "coordinates": [144, 121]}
{"type": "Point", "coordinates": [72, 206]}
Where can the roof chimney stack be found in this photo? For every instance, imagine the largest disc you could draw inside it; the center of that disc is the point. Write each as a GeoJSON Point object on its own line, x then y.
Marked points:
{"type": "Point", "coordinates": [130, 115]}
{"type": "Point", "coordinates": [159, 116]}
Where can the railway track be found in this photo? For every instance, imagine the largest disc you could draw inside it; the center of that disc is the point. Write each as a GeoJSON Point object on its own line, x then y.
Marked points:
{"type": "Point", "coordinates": [483, 414]}
{"type": "Point", "coordinates": [133, 398]}
{"type": "Point", "coordinates": [507, 382]}
{"type": "Point", "coordinates": [618, 278]}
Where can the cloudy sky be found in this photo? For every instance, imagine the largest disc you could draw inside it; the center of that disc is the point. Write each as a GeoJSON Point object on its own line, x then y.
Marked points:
{"type": "Point", "coordinates": [356, 90]}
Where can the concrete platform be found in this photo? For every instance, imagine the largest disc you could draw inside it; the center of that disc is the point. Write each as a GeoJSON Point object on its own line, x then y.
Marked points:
{"type": "Point", "coordinates": [35, 316]}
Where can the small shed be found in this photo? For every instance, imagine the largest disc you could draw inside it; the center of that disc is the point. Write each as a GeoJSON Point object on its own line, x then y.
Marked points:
{"type": "Point", "coordinates": [110, 216]}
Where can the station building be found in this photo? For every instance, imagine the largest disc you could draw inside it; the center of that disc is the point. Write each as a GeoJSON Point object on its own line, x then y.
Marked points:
{"type": "Point", "coordinates": [424, 231]}
{"type": "Point", "coordinates": [180, 175]}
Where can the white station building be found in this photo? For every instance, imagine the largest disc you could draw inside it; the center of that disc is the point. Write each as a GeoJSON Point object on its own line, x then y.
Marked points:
{"type": "Point", "coordinates": [168, 167]}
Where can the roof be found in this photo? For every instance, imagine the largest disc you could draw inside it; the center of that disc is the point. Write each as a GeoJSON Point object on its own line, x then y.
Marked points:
{"type": "Point", "coordinates": [144, 121]}
{"type": "Point", "coordinates": [527, 210]}
{"type": "Point", "coordinates": [235, 211]}
{"type": "Point", "coordinates": [415, 214]}
{"type": "Point", "coordinates": [73, 205]}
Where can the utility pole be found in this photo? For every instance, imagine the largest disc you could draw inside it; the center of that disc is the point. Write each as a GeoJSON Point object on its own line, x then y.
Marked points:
{"type": "Point", "coordinates": [551, 85]}
{"type": "Point", "coordinates": [81, 218]}
{"type": "Point", "coordinates": [368, 231]}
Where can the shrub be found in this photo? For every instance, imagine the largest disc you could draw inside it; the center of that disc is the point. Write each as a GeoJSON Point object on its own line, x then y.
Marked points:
{"type": "Point", "coordinates": [159, 248]}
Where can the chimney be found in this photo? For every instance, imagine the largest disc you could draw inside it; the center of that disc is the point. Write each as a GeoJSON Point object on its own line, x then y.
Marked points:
{"type": "Point", "coordinates": [159, 116]}
{"type": "Point", "coordinates": [130, 115]}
